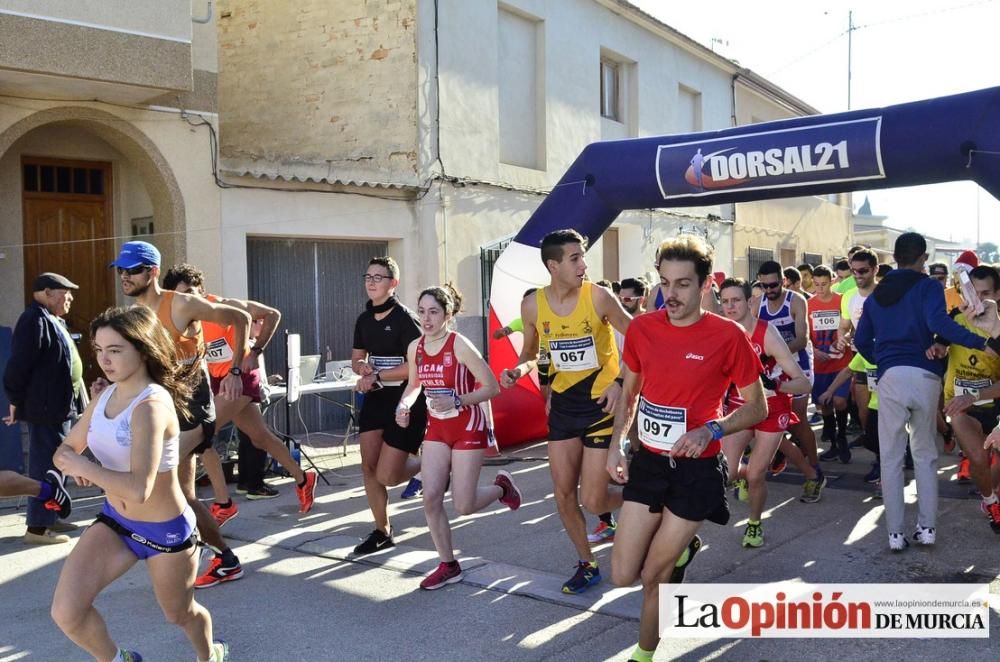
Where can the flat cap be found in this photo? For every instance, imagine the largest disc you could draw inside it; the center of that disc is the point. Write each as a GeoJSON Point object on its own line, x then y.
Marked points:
{"type": "Point", "coordinates": [53, 281]}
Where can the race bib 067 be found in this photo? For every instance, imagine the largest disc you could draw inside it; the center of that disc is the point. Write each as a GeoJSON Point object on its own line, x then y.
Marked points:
{"type": "Point", "coordinates": [571, 354]}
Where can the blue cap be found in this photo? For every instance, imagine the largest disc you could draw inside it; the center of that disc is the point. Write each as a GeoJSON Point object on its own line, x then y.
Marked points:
{"type": "Point", "coordinates": [137, 253]}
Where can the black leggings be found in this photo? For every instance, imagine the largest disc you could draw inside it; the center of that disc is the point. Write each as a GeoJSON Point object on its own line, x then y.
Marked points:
{"type": "Point", "coordinates": [871, 433]}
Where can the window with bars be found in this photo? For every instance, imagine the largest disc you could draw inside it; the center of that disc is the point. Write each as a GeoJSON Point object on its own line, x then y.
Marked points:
{"type": "Point", "coordinates": [812, 259]}
{"type": "Point", "coordinates": [755, 258]}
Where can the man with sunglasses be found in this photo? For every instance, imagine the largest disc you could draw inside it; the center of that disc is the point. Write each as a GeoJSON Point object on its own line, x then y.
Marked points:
{"type": "Point", "coordinates": [138, 267]}
{"type": "Point", "coordinates": [787, 312]}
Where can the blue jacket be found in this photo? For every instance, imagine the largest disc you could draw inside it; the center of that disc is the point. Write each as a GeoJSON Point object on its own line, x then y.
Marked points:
{"type": "Point", "coordinates": [38, 379]}
{"type": "Point", "coordinates": [899, 320]}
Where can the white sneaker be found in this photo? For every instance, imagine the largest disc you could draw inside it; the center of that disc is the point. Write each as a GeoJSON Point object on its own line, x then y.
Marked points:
{"type": "Point", "coordinates": [898, 542]}
{"type": "Point", "coordinates": [924, 536]}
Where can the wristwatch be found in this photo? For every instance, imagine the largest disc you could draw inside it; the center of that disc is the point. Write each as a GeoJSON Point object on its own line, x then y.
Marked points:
{"type": "Point", "coordinates": [235, 370]}
{"type": "Point", "coordinates": [715, 429]}
{"type": "Point", "coordinates": [458, 402]}
{"type": "Point", "coordinates": [257, 349]}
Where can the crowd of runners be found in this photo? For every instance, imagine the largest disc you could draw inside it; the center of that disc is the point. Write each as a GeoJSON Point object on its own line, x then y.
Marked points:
{"type": "Point", "coordinates": [654, 417]}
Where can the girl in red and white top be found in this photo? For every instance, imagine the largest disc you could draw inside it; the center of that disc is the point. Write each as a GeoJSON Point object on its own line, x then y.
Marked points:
{"type": "Point", "coordinates": [456, 382]}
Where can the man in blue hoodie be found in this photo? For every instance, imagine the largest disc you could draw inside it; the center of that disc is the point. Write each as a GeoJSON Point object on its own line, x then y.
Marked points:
{"type": "Point", "coordinates": [896, 329]}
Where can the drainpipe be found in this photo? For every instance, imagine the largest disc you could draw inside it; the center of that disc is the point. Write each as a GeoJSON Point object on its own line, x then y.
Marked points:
{"type": "Point", "coordinates": [208, 15]}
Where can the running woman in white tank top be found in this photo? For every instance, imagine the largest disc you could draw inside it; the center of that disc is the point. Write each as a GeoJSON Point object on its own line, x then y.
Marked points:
{"type": "Point", "coordinates": [132, 430]}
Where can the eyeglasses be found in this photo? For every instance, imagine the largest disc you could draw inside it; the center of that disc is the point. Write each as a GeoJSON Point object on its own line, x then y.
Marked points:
{"type": "Point", "coordinates": [133, 271]}
{"type": "Point", "coordinates": [861, 272]}
{"type": "Point", "coordinates": [770, 286]}
{"type": "Point", "coordinates": [375, 278]}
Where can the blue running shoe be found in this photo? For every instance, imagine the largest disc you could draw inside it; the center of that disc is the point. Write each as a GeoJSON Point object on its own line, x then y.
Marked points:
{"type": "Point", "coordinates": [587, 574]}
{"type": "Point", "coordinates": [413, 489]}
{"type": "Point", "coordinates": [129, 656]}
{"type": "Point", "coordinates": [874, 475]}
{"type": "Point", "coordinates": [220, 651]}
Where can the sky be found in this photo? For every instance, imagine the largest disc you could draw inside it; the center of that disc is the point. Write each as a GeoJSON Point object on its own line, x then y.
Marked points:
{"type": "Point", "coordinates": [900, 51]}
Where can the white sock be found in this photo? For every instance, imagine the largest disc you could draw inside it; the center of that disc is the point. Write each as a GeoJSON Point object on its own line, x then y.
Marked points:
{"type": "Point", "coordinates": [990, 500]}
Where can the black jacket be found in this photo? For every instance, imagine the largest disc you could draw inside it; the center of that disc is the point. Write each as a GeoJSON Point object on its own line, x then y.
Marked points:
{"type": "Point", "coordinates": [38, 379]}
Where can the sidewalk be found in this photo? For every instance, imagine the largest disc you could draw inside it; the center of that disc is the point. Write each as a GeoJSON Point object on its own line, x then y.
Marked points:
{"type": "Point", "coordinates": [303, 597]}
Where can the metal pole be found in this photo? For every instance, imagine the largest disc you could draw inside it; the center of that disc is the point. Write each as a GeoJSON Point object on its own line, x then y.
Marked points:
{"type": "Point", "coordinates": [850, 32]}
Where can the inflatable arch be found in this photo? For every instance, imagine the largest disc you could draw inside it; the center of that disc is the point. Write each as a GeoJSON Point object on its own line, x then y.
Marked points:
{"type": "Point", "coordinates": [924, 142]}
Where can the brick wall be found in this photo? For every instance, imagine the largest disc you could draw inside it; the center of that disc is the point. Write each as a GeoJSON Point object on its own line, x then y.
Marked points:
{"type": "Point", "coordinates": [319, 88]}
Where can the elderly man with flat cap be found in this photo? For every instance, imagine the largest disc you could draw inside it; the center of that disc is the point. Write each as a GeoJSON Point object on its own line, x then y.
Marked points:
{"type": "Point", "coordinates": [44, 384]}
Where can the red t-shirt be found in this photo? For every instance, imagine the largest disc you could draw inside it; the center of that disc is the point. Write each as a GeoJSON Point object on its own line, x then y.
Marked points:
{"type": "Point", "coordinates": [824, 320]}
{"type": "Point", "coordinates": [687, 370]}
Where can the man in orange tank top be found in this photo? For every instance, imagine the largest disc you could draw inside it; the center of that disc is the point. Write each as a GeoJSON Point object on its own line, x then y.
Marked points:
{"type": "Point", "coordinates": [138, 268]}
{"type": "Point", "coordinates": [242, 411]}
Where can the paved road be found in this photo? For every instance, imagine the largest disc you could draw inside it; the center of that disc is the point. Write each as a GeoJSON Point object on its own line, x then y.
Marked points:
{"type": "Point", "coordinates": [303, 598]}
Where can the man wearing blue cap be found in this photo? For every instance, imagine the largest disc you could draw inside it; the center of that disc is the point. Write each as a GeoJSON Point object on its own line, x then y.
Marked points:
{"type": "Point", "coordinates": [43, 382]}
{"type": "Point", "coordinates": [138, 266]}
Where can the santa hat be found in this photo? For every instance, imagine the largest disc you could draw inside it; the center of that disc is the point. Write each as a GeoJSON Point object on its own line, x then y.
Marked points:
{"type": "Point", "coordinates": [967, 261]}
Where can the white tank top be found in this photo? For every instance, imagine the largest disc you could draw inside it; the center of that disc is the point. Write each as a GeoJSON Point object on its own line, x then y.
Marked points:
{"type": "Point", "coordinates": [110, 439]}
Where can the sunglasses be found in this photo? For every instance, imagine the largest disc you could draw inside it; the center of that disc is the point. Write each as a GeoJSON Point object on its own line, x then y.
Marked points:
{"type": "Point", "coordinates": [861, 272]}
{"type": "Point", "coordinates": [628, 299]}
{"type": "Point", "coordinates": [375, 278]}
{"type": "Point", "coordinates": [133, 271]}
{"type": "Point", "coordinates": [770, 286]}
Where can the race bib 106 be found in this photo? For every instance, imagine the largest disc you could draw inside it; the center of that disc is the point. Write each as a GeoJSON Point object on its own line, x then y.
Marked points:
{"type": "Point", "coordinates": [571, 354]}
{"type": "Point", "coordinates": [661, 427]}
{"type": "Point", "coordinates": [826, 320]}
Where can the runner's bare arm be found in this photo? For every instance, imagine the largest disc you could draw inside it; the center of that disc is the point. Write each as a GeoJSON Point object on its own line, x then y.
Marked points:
{"type": "Point", "coordinates": [270, 317]}
{"type": "Point", "coordinates": [529, 350]}
{"type": "Point", "coordinates": [801, 324]}
{"type": "Point", "coordinates": [755, 404]}
{"type": "Point", "coordinates": [470, 357]}
{"type": "Point", "coordinates": [413, 387]}
{"type": "Point", "coordinates": [775, 346]}
{"type": "Point", "coordinates": [610, 308]}
{"type": "Point", "coordinates": [617, 463]}
{"type": "Point", "coordinates": [192, 308]}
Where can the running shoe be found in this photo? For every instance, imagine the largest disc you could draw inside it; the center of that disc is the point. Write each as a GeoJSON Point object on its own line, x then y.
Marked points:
{"type": "Point", "coordinates": [843, 450]}
{"type": "Point", "coordinates": [375, 542]}
{"type": "Point", "coordinates": [898, 542]}
{"type": "Point", "coordinates": [218, 573]}
{"type": "Point", "coordinates": [61, 501]}
{"type": "Point", "coordinates": [859, 441]}
{"type": "Point", "coordinates": [993, 513]}
{"type": "Point", "coordinates": [753, 536]}
{"type": "Point", "coordinates": [677, 576]}
{"type": "Point", "coordinates": [511, 496]}
{"type": "Point", "coordinates": [446, 573]}
{"type": "Point", "coordinates": [878, 489]}
{"type": "Point", "coordinates": [778, 464]}
{"type": "Point", "coordinates": [307, 492]}
{"type": "Point", "coordinates": [265, 491]}
{"type": "Point", "coordinates": [223, 514]}
{"type": "Point", "coordinates": [812, 489]}
{"type": "Point", "coordinates": [875, 474]}
{"type": "Point", "coordinates": [832, 453]}
{"type": "Point", "coordinates": [741, 491]}
{"type": "Point", "coordinates": [963, 471]}
{"type": "Point", "coordinates": [129, 656]}
{"type": "Point", "coordinates": [241, 488]}
{"type": "Point", "coordinates": [413, 489]}
{"type": "Point", "coordinates": [220, 651]}
{"type": "Point", "coordinates": [924, 535]}
{"type": "Point", "coordinates": [586, 575]}
{"type": "Point", "coordinates": [603, 533]}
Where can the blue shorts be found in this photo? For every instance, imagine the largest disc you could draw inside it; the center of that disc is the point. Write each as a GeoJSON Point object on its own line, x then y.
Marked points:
{"type": "Point", "coordinates": [822, 381]}
{"type": "Point", "coordinates": [171, 533]}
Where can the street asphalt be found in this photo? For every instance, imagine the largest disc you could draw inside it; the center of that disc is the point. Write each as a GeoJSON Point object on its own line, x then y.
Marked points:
{"type": "Point", "coordinates": [304, 597]}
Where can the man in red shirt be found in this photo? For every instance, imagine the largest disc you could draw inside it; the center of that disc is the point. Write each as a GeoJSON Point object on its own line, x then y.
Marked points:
{"type": "Point", "coordinates": [824, 321]}
{"type": "Point", "coordinates": [677, 367]}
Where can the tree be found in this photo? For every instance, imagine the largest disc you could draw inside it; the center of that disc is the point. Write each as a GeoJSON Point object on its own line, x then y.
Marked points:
{"type": "Point", "coordinates": [988, 252]}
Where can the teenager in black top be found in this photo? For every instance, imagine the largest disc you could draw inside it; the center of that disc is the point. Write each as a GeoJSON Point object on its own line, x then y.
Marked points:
{"type": "Point", "coordinates": [388, 452]}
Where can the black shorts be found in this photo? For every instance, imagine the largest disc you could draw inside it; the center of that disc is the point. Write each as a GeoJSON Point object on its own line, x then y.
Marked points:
{"type": "Point", "coordinates": [378, 412]}
{"type": "Point", "coordinates": [202, 413]}
{"type": "Point", "coordinates": [987, 417]}
{"type": "Point", "coordinates": [692, 489]}
{"type": "Point", "coordinates": [580, 420]}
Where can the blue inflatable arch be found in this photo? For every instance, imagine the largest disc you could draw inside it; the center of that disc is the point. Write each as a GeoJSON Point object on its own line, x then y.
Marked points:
{"type": "Point", "coordinates": [925, 142]}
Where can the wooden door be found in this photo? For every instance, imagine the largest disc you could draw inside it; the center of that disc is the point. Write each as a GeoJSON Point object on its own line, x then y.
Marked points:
{"type": "Point", "coordinates": [68, 229]}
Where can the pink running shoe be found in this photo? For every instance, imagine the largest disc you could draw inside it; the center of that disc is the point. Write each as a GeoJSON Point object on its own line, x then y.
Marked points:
{"type": "Point", "coordinates": [511, 496]}
{"type": "Point", "coordinates": [446, 573]}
